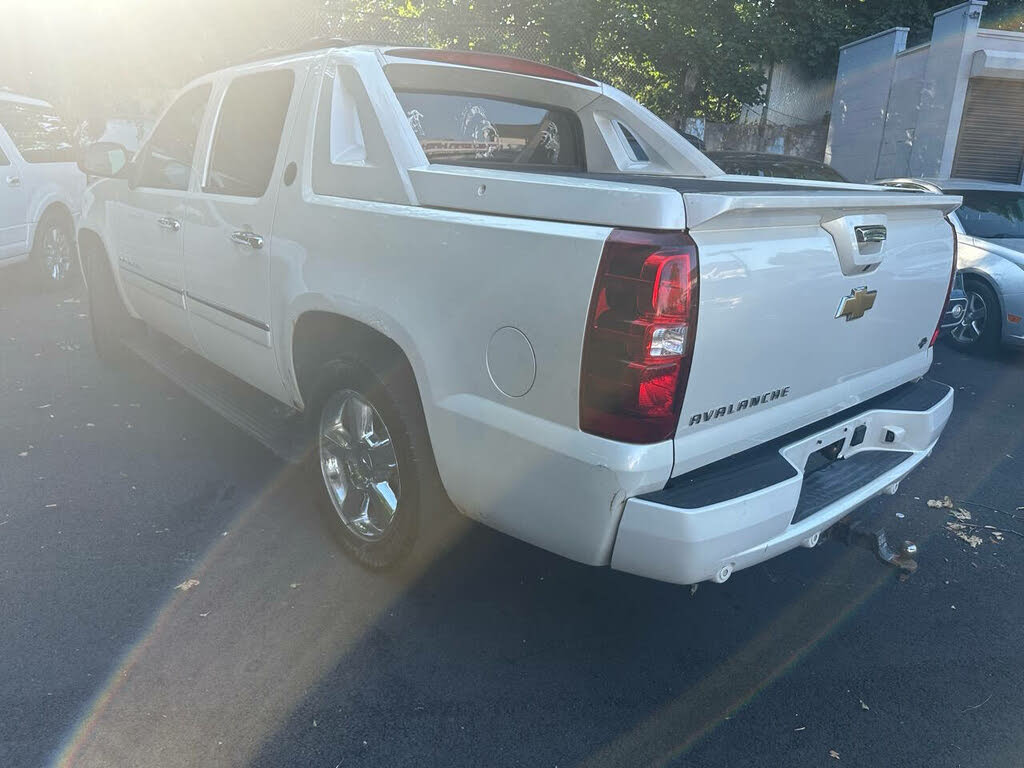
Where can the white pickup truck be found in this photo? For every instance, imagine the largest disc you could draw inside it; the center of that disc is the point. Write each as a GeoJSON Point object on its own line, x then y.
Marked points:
{"type": "Point", "coordinates": [486, 279]}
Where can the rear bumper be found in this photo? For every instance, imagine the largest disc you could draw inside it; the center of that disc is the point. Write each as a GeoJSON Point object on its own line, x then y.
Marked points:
{"type": "Point", "coordinates": [753, 506]}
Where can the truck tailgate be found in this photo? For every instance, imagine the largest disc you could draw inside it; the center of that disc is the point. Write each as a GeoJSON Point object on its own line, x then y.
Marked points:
{"type": "Point", "coordinates": [805, 310]}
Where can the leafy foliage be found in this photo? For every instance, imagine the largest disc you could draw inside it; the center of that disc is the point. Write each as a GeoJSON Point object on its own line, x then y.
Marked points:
{"type": "Point", "coordinates": [682, 57]}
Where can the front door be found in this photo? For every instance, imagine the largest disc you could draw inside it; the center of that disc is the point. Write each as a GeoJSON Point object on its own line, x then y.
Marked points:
{"type": "Point", "coordinates": [13, 206]}
{"type": "Point", "coordinates": [150, 218]}
{"type": "Point", "coordinates": [228, 241]}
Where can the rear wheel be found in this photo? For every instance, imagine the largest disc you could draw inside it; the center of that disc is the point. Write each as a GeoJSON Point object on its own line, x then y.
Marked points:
{"type": "Point", "coordinates": [53, 251]}
{"type": "Point", "coordinates": [371, 459]}
{"type": "Point", "coordinates": [979, 328]}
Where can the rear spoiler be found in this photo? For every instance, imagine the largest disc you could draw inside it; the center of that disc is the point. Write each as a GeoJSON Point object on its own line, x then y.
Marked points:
{"type": "Point", "coordinates": [702, 208]}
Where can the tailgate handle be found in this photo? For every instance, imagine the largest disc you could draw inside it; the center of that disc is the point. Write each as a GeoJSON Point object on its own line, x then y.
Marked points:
{"type": "Point", "coordinates": [869, 233]}
{"type": "Point", "coordinates": [859, 240]}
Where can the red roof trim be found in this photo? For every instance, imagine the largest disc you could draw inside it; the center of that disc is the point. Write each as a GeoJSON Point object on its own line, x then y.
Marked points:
{"type": "Point", "coordinates": [492, 61]}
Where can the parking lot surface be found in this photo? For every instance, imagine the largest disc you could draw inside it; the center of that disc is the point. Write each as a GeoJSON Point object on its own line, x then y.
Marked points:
{"type": "Point", "coordinates": [169, 597]}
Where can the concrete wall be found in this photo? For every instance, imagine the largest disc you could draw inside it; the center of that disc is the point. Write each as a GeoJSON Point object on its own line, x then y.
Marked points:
{"type": "Point", "coordinates": [943, 89]}
{"type": "Point", "coordinates": [859, 105]}
{"type": "Point", "coordinates": [897, 112]}
{"type": "Point", "coordinates": [795, 97]}
{"type": "Point", "coordinates": [901, 117]}
{"type": "Point", "coordinates": [803, 140]}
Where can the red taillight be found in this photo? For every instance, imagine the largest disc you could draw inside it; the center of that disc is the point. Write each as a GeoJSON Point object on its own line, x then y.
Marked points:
{"type": "Point", "coordinates": [492, 61]}
{"type": "Point", "coordinates": [949, 290]}
{"type": "Point", "coordinates": [639, 337]}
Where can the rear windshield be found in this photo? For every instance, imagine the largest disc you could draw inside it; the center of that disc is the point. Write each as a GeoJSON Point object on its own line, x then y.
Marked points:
{"type": "Point", "coordinates": [991, 215]}
{"type": "Point", "coordinates": [475, 130]}
{"type": "Point", "coordinates": [38, 132]}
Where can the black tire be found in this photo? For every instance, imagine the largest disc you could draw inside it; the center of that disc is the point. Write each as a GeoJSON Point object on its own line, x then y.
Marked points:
{"type": "Point", "coordinates": [54, 257]}
{"type": "Point", "coordinates": [980, 329]}
{"type": "Point", "coordinates": [395, 400]}
{"type": "Point", "coordinates": [108, 316]}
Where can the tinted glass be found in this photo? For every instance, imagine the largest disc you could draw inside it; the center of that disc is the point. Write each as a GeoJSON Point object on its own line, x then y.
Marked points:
{"type": "Point", "coordinates": [638, 151]}
{"type": "Point", "coordinates": [473, 130]}
{"type": "Point", "coordinates": [167, 158]}
{"type": "Point", "coordinates": [249, 133]}
{"type": "Point", "coordinates": [991, 215]}
{"type": "Point", "coordinates": [38, 132]}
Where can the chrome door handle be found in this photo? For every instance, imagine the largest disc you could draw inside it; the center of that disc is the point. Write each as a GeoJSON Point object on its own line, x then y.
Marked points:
{"type": "Point", "coordinates": [250, 239]}
{"type": "Point", "coordinates": [168, 223]}
{"type": "Point", "coordinates": [13, 181]}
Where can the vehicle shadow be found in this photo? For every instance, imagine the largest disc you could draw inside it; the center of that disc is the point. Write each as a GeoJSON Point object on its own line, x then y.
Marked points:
{"type": "Point", "coordinates": [503, 654]}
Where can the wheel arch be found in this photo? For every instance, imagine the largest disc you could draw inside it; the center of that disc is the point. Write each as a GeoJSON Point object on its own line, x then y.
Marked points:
{"type": "Point", "coordinates": [318, 335]}
{"type": "Point", "coordinates": [48, 199]}
{"type": "Point", "coordinates": [91, 242]}
{"type": "Point", "coordinates": [981, 276]}
{"type": "Point", "coordinates": [52, 208]}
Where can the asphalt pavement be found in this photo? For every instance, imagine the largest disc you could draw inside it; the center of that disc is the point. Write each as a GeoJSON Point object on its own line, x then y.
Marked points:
{"type": "Point", "coordinates": [169, 597]}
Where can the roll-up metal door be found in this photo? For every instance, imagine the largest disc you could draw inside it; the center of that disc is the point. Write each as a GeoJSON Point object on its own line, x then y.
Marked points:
{"type": "Point", "coordinates": [991, 141]}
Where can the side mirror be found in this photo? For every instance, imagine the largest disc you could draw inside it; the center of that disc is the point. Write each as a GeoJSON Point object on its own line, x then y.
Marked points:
{"type": "Point", "coordinates": [105, 159]}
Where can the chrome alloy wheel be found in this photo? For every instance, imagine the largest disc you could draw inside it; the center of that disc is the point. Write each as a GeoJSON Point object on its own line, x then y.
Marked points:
{"type": "Point", "coordinates": [972, 324]}
{"type": "Point", "coordinates": [359, 465]}
{"type": "Point", "coordinates": [56, 253]}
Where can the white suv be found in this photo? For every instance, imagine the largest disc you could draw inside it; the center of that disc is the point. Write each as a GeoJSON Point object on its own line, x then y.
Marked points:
{"type": "Point", "coordinates": [40, 188]}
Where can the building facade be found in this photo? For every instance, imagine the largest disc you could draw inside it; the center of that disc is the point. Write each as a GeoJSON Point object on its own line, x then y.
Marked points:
{"type": "Point", "coordinates": [952, 107]}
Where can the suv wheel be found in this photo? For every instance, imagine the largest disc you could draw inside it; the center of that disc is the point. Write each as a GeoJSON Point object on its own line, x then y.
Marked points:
{"type": "Point", "coordinates": [979, 328]}
{"type": "Point", "coordinates": [53, 252]}
{"type": "Point", "coordinates": [369, 459]}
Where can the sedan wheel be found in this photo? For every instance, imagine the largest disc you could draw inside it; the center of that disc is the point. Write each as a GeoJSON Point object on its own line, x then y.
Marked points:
{"type": "Point", "coordinates": [979, 328]}
{"type": "Point", "coordinates": [359, 466]}
{"type": "Point", "coordinates": [56, 253]}
{"type": "Point", "coordinates": [972, 325]}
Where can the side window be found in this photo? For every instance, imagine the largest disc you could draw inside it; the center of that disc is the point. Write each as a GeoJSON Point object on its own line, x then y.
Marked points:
{"type": "Point", "coordinates": [167, 159]}
{"type": "Point", "coordinates": [635, 148]}
{"type": "Point", "coordinates": [248, 133]}
{"type": "Point", "coordinates": [38, 132]}
{"type": "Point", "coordinates": [3, 159]}
{"type": "Point", "coordinates": [465, 129]}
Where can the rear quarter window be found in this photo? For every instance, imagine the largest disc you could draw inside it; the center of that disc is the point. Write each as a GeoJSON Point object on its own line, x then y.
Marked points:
{"type": "Point", "coordinates": [465, 129]}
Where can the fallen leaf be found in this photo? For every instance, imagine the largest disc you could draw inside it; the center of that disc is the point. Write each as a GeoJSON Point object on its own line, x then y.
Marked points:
{"type": "Point", "coordinates": [864, 706]}
{"type": "Point", "coordinates": [961, 514]}
{"type": "Point", "coordinates": [186, 585]}
{"type": "Point", "coordinates": [833, 753]}
{"type": "Point", "coordinates": [961, 533]}
{"type": "Point", "coordinates": [944, 503]}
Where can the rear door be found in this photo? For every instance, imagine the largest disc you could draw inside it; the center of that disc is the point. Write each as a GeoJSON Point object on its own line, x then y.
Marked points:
{"type": "Point", "coordinates": [228, 242]}
{"type": "Point", "coordinates": [13, 204]}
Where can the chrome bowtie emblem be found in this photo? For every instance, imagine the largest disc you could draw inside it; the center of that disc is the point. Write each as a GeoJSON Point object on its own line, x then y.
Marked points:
{"type": "Point", "coordinates": [856, 304]}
